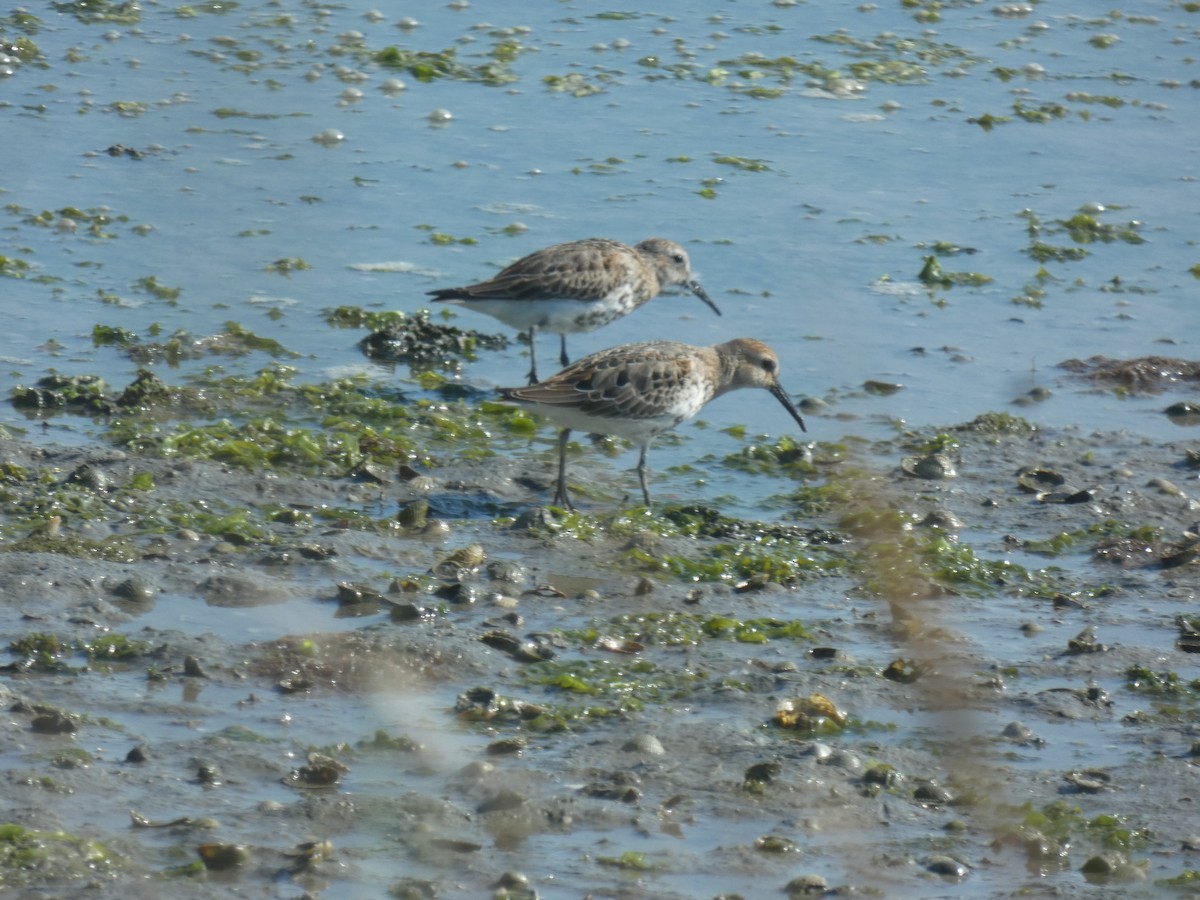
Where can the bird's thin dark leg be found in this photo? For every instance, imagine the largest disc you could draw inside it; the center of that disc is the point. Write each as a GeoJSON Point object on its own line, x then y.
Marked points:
{"type": "Point", "coordinates": [532, 355]}
{"type": "Point", "coordinates": [561, 498]}
{"type": "Point", "coordinates": [562, 357]}
{"type": "Point", "coordinates": [641, 470]}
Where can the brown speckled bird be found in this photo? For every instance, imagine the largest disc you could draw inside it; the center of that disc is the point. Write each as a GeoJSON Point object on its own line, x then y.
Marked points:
{"type": "Point", "coordinates": [638, 391]}
{"type": "Point", "coordinates": [577, 286]}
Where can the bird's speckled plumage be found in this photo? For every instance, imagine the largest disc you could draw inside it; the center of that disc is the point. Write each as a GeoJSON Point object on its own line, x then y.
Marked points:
{"type": "Point", "coordinates": [638, 391]}
{"type": "Point", "coordinates": [578, 286]}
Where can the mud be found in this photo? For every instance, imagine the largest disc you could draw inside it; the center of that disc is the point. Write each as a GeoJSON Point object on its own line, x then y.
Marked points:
{"type": "Point", "coordinates": [1025, 725]}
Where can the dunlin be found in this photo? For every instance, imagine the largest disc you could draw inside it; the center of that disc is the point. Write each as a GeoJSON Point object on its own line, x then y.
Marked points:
{"type": "Point", "coordinates": [638, 391]}
{"type": "Point", "coordinates": [577, 286]}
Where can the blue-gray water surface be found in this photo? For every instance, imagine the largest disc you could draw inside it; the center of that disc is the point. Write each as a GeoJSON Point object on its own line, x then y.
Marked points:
{"type": "Point", "coordinates": [809, 156]}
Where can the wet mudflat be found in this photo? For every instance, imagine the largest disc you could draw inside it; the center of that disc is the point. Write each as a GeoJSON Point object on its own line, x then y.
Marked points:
{"type": "Point", "coordinates": [971, 677]}
{"type": "Point", "coordinates": [284, 611]}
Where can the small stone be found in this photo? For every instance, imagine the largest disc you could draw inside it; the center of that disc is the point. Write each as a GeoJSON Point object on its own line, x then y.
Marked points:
{"type": "Point", "coordinates": [504, 799]}
{"type": "Point", "coordinates": [806, 886]}
{"type": "Point", "coordinates": [763, 772]}
{"type": "Point", "coordinates": [513, 881]}
{"type": "Point", "coordinates": [947, 867]}
{"type": "Point", "coordinates": [843, 759]}
{"type": "Point", "coordinates": [647, 744]}
{"type": "Point", "coordinates": [330, 137]}
{"type": "Point", "coordinates": [134, 589]}
{"type": "Point", "coordinates": [932, 793]}
{"type": "Point", "coordinates": [1017, 732]}
{"type": "Point", "coordinates": [54, 723]}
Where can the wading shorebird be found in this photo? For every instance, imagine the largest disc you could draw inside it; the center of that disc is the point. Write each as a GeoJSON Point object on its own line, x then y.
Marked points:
{"type": "Point", "coordinates": [577, 286]}
{"type": "Point", "coordinates": [638, 391]}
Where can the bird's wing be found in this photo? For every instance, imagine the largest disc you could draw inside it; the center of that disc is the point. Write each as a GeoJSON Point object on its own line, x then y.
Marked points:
{"type": "Point", "coordinates": [581, 270]}
{"type": "Point", "coordinates": [639, 385]}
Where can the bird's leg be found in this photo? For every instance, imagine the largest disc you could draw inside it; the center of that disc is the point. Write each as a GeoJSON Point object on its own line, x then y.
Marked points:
{"type": "Point", "coordinates": [641, 470]}
{"type": "Point", "coordinates": [561, 498]}
{"type": "Point", "coordinates": [532, 356]}
{"type": "Point", "coordinates": [562, 357]}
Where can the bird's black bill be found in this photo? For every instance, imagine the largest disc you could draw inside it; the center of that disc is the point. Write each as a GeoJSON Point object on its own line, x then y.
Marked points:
{"type": "Point", "coordinates": [782, 397]}
{"type": "Point", "coordinates": [694, 287]}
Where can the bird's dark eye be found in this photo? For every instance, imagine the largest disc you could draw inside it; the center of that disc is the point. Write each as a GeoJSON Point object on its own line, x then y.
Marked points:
{"type": "Point", "coordinates": [768, 365]}
{"type": "Point", "coordinates": [678, 257]}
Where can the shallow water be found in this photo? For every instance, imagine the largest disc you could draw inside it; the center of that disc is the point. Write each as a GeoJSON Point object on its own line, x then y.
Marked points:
{"type": "Point", "coordinates": [816, 196]}
{"type": "Point", "coordinates": [807, 203]}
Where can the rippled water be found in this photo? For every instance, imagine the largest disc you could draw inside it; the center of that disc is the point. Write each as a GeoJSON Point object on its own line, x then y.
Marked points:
{"type": "Point", "coordinates": [809, 156]}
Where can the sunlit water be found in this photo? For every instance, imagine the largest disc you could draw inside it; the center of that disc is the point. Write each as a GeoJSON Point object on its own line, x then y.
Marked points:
{"type": "Point", "coordinates": [812, 237]}
{"type": "Point", "coordinates": [807, 211]}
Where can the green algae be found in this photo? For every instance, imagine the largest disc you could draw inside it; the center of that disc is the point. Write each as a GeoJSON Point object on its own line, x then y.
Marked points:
{"type": "Point", "coordinates": [1043, 252]}
{"type": "Point", "coordinates": [1058, 820]}
{"type": "Point", "coordinates": [93, 222]}
{"type": "Point", "coordinates": [934, 275]}
{"type": "Point", "coordinates": [784, 563]}
{"type": "Point", "coordinates": [49, 653]}
{"type": "Point", "coordinates": [987, 121]}
{"type": "Point", "coordinates": [576, 84]}
{"type": "Point", "coordinates": [427, 66]}
{"type": "Point", "coordinates": [786, 457]}
{"type": "Point", "coordinates": [1167, 685]}
{"type": "Point", "coordinates": [1111, 832]}
{"type": "Point", "coordinates": [584, 689]}
{"type": "Point", "coordinates": [811, 500]}
{"type": "Point", "coordinates": [14, 267]}
{"type": "Point", "coordinates": [214, 7]}
{"type": "Point", "coordinates": [734, 550]}
{"type": "Point", "coordinates": [287, 265]}
{"type": "Point", "coordinates": [95, 12]}
{"type": "Point", "coordinates": [21, 19]}
{"type": "Point", "coordinates": [382, 742]}
{"type": "Point", "coordinates": [41, 651]}
{"type": "Point", "coordinates": [151, 285]}
{"type": "Point", "coordinates": [1067, 541]}
{"type": "Point", "coordinates": [1040, 114]}
{"type": "Point", "coordinates": [998, 423]}
{"type": "Point", "coordinates": [956, 565]}
{"type": "Point", "coordinates": [415, 340]}
{"type": "Point", "coordinates": [76, 393]}
{"type": "Point", "coordinates": [115, 647]}
{"type": "Point", "coordinates": [675, 629]}
{"type": "Point", "coordinates": [331, 427]}
{"type": "Point", "coordinates": [744, 163]}
{"type": "Point", "coordinates": [30, 858]}
{"type": "Point", "coordinates": [630, 860]}
{"type": "Point", "coordinates": [1087, 229]}
{"type": "Point", "coordinates": [113, 549]}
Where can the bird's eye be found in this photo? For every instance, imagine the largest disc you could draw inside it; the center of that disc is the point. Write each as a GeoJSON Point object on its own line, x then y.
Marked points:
{"type": "Point", "coordinates": [768, 365]}
{"type": "Point", "coordinates": [678, 258]}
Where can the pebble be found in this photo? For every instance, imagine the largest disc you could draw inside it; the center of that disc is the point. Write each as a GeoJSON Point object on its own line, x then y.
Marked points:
{"type": "Point", "coordinates": [807, 885]}
{"type": "Point", "coordinates": [947, 867]}
{"type": "Point", "coordinates": [842, 759]}
{"type": "Point", "coordinates": [644, 743]}
{"type": "Point", "coordinates": [1016, 731]}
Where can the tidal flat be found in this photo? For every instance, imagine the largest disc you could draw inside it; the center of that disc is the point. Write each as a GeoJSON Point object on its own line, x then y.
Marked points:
{"type": "Point", "coordinates": [285, 611]}
{"type": "Point", "coordinates": [405, 676]}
